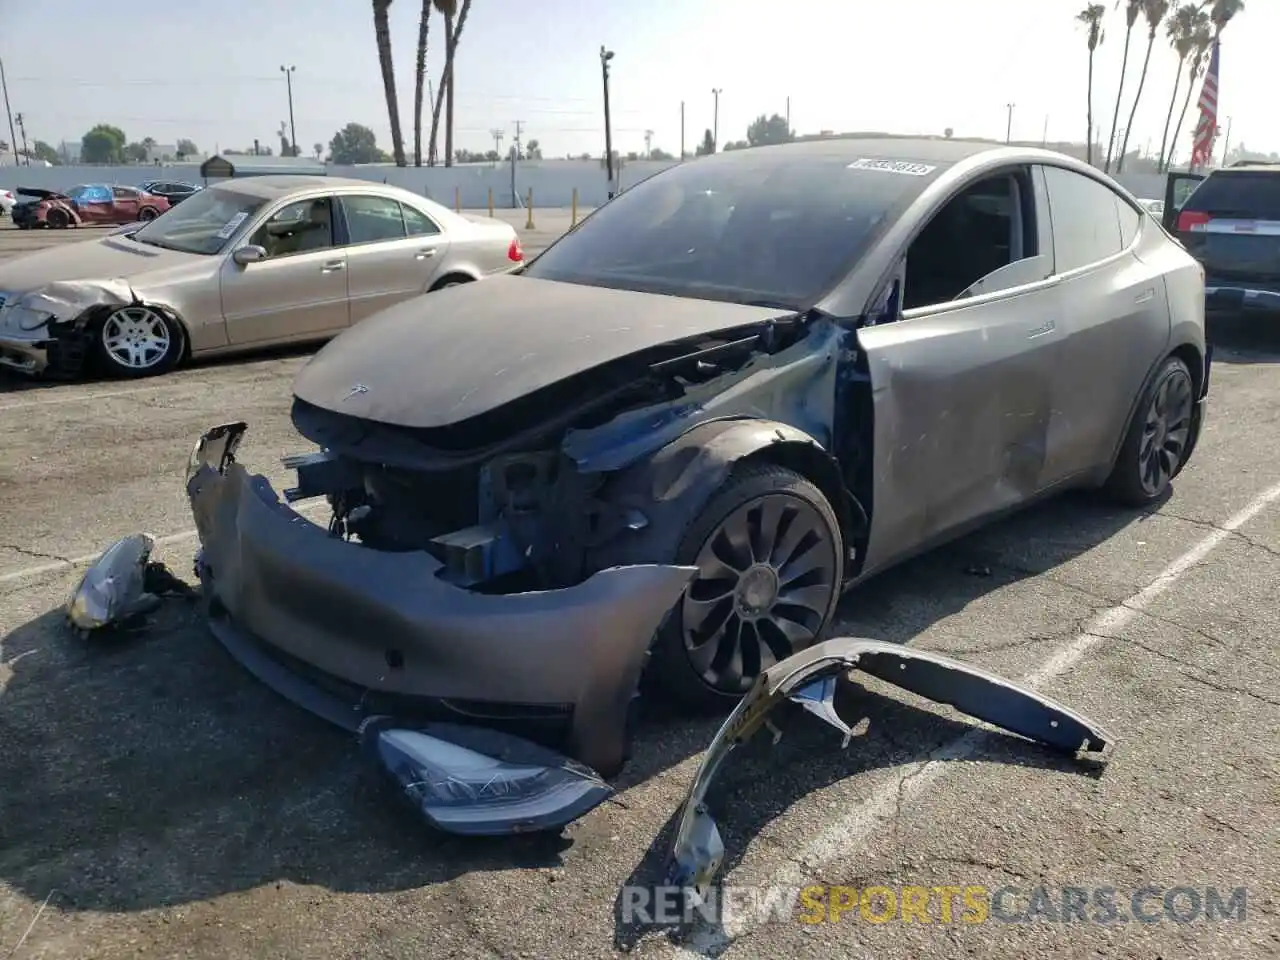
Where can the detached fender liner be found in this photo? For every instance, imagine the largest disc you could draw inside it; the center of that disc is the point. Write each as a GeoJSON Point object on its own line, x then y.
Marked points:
{"type": "Point", "coordinates": [386, 623]}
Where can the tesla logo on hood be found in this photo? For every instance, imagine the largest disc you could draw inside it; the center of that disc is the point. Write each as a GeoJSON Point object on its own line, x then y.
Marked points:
{"type": "Point", "coordinates": [356, 390]}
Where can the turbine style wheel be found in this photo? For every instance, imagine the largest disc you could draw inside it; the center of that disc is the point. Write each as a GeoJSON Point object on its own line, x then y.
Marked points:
{"type": "Point", "coordinates": [769, 554]}
{"type": "Point", "coordinates": [139, 341]}
{"type": "Point", "coordinates": [1160, 437]}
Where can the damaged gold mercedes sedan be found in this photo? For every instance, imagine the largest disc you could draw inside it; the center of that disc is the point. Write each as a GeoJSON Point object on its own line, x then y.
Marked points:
{"type": "Point", "coordinates": [656, 456]}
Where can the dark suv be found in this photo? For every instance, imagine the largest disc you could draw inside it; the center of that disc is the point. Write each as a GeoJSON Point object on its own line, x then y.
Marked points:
{"type": "Point", "coordinates": [1229, 220]}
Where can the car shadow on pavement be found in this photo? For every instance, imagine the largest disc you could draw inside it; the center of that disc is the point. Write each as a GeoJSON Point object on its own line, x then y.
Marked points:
{"type": "Point", "coordinates": [1244, 339]}
{"type": "Point", "coordinates": [150, 770]}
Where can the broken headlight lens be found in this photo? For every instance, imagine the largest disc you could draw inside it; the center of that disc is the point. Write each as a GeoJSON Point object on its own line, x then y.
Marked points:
{"type": "Point", "coordinates": [112, 589]}
{"type": "Point", "coordinates": [511, 787]}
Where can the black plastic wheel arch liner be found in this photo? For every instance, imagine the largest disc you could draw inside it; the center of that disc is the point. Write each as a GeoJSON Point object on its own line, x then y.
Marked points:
{"type": "Point", "coordinates": [810, 678]}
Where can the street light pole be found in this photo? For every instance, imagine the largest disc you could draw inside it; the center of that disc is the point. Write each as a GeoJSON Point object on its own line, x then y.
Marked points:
{"type": "Point", "coordinates": [715, 120]}
{"type": "Point", "coordinates": [1008, 129]}
{"type": "Point", "coordinates": [605, 57]}
{"type": "Point", "coordinates": [1226, 143]}
{"type": "Point", "coordinates": [293, 130]}
{"type": "Point", "coordinates": [682, 130]}
{"type": "Point", "coordinates": [13, 137]}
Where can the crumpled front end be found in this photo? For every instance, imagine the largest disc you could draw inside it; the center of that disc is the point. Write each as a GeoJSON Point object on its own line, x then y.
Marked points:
{"type": "Point", "coordinates": [47, 330]}
{"type": "Point", "coordinates": [352, 632]}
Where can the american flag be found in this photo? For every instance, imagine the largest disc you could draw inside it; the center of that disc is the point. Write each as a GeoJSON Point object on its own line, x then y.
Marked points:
{"type": "Point", "coordinates": [1207, 128]}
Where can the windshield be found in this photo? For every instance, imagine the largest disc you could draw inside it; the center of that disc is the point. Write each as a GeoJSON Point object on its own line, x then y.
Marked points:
{"type": "Point", "coordinates": [203, 223]}
{"type": "Point", "coordinates": [778, 228]}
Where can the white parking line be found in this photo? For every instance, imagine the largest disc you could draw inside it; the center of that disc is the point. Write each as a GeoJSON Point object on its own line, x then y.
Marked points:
{"type": "Point", "coordinates": [76, 398]}
{"type": "Point", "coordinates": [55, 565]}
{"type": "Point", "coordinates": [850, 833]}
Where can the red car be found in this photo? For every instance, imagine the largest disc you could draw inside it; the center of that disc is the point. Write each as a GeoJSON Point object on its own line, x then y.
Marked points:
{"type": "Point", "coordinates": [92, 203]}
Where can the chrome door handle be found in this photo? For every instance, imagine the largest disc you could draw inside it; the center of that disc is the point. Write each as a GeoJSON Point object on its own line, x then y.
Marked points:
{"type": "Point", "coordinates": [1145, 295]}
{"type": "Point", "coordinates": [426, 254]}
{"type": "Point", "coordinates": [333, 266]}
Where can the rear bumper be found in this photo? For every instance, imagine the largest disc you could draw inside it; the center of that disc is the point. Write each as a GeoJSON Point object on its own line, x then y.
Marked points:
{"type": "Point", "coordinates": [1234, 296]}
{"type": "Point", "coordinates": [386, 629]}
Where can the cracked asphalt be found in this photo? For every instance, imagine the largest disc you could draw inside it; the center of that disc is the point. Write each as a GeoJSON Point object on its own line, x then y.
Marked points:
{"type": "Point", "coordinates": [155, 801]}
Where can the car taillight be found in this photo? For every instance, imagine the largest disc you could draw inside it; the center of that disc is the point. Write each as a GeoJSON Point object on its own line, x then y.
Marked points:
{"type": "Point", "coordinates": [515, 253]}
{"type": "Point", "coordinates": [1190, 220]}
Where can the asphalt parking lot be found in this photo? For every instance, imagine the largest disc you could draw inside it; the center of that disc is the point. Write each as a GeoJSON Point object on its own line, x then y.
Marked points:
{"type": "Point", "coordinates": [157, 802]}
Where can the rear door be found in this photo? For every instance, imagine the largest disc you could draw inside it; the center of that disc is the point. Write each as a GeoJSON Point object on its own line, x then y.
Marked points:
{"type": "Point", "coordinates": [1177, 189]}
{"type": "Point", "coordinates": [125, 202]}
{"type": "Point", "coordinates": [1116, 318]}
{"type": "Point", "coordinates": [1231, 224]}
{"type": "Point", "coordinates": [393, 252]}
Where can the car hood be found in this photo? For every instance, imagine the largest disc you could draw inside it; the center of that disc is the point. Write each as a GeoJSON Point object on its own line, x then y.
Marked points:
{"type": "Point", "coordinates": [108, 258]}
{"type": "Point", "coordinates": [448, 356]}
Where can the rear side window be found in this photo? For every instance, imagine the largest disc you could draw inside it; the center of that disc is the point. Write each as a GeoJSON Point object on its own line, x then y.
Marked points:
{"type": "Point", "coordinates": [1086, 224]}
{"type": "Point", "coordinates": [1252, 195]}
{"type": "Point", "coordinates": [371, 219]}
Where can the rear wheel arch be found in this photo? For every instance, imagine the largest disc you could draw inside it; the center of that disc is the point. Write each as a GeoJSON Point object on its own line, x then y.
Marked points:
{"type": "Point", "coordinates": [450, 279]}
{"type": "Point", "coordinates": [1190, 355]}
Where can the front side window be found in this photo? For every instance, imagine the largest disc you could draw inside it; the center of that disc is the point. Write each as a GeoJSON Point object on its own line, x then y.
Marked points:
{"type": "Point", "coordinates": [372, 219]}
{"type": "Point", "coordinates": [203, 224]}
{"type": "Point", "coordinates": [1086, 226]}
{"type": "Point", "coordinates": [302, 227]}
{"type": "Point", "coordinates": [90, 193]}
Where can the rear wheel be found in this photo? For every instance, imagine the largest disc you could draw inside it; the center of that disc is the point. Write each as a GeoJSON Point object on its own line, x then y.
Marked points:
{"type": "Point", "coordinates": [769, 553]}
{"type": "Point", "coordinates": [57, 219]}
{"type": "Point", "coordinates": [148, 213]}
{"type": "Point", "coordinates": [1159, 439]}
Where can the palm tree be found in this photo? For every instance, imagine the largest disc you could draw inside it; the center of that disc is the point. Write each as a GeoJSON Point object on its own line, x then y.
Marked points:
{"type": "Point", "coordinates": [453, 31]}
{"type": "Point", "coordinates": [1222, 12]}
{"type": "Point", "coordinates": [1091, 17]}
{"type": "Point", "coordinates": [1182, 27]}
{"type": "Point", "coordinates": [1131, 11]}
{"type": "Point", "coordinates": [419, 76]}
{"type": "Point", "coordinates": [1154, 11]}
{"type": "Point", "coordinates": [382, 31]}
{"type": "Point", "coordinates": [1201, 43]}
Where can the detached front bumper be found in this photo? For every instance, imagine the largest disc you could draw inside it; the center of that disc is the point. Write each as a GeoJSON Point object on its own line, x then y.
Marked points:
{"type": "Point", "coordinates": [338, 627]}
{"type": "Point", "coordinates": [25, 351]}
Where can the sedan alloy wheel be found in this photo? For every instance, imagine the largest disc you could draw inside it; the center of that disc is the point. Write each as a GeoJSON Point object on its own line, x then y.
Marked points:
{"type": "Point", "coordinates": [1166, 431]}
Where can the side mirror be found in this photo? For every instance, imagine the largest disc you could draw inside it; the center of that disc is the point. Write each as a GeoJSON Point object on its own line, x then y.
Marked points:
{"type": "Point", "coordinates": [250, 254]}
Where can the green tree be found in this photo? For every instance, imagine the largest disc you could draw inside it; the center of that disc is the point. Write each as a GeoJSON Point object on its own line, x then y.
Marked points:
{"type": "Point", "coordinates": [657, 153]}
{"type": "Point", "coordinates": [766, 130]}
{"type": "Point", "coordinates": [1223, 12]}
{"type": "Point", "coordinates": [1132, 10]}
{"type": "Point", "coordinates": [1182, 28]}
{"type": "Point", "coordinates": [42, 151]}
{"type": "Point", "coordinates": [354, 143]}
{"type": "Point", "coordinates": [187, 148]}
{"type": "Point", "coordinates": [736, 145]}
{"type": "Point", "coordinates": [135, 152]}
{"type": "Point", "coordinates": [103, 144]}
{"type": "Point", "coordinates": [382, 33]}
{"type": "Point", "coordinates": [1155, 12]}
{"type": "Point", "coordinates": [533, 150]}
{"type": "Point", "coordinates": [319, 149]}
{"type": "Point", "coordinates": [1091, 17]}
{"type": "Point", "coordinates": [707, 146]}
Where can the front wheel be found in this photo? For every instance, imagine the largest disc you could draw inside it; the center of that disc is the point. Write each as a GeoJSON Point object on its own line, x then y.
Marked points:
{"type": "Point", "coordinates": [769, 554]}
{"type": "Point", "coordinates": [147, 214]}
{"type": "Point", "coordinates": [57, 219]}
{"type": "Point", "coordinates": [139, 342]}
{"type": "Point", "coordinates": [1159, 438]}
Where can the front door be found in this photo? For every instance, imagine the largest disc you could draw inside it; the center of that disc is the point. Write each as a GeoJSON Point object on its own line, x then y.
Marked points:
{"type": "Point", "coordinates": [962, 379]}
{"type": "Point", "coordinates": [299, 292]}
{"type": "Point", "coordinates": [394, 252]}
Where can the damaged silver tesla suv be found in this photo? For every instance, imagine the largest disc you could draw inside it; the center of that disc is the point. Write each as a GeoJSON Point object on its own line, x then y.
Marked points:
{"type": "Point", "coordinates": [655, 456]}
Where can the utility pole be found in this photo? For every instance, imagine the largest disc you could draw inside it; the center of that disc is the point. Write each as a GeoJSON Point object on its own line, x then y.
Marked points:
{"type": "Point", "coordinates": [1226, 143]}
{"type": "Point", "coordinates": [1008, 129]}
{"type": "Point", "coordinates": [519, 129]}
{"type": "Point", "coordinates": [682, 130]}
{"type": "Point", "coordinates": [497, 142]}
{"type": "Point", "coordinates": [293, 130]}
{"type": "Point", "coordinates": [648, 143]}
{"type": "Point", "coordinates": [1044, 137]}
{"type": "Point", "coordinates": [13, 137]}
{"type": "Point", "coordinates": [715, 120]}
{"type": "Point", "coordinates": [788, 116]}
{"type": "Point", "coordinates": [605, 57]}
{"type": "Point", "coordinates": [22, 129]}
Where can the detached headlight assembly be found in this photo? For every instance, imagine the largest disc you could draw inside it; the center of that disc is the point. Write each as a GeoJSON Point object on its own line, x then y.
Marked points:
{"type": "Point", "coordinates": [481, 782]}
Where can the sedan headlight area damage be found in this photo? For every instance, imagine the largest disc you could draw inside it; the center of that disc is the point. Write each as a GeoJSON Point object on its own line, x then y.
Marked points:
{"type": "Point", "coordinates": [811, 678]}
{"type": "Point", "coordinates": [49, 330]}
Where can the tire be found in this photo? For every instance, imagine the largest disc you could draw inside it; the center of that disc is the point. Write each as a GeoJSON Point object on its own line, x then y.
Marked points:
{"type": "Point", "coordinates": [138, 341]}
{"type": "Point", "coordinates": [57, 219]}
{"type": "Point", "coordinates": [751, 620]}
{"type": "Point", "coordinates": [148, 213]}
{"type": "Point", "coordinates": [450, 282]}
{"type": "Point", "coordinates": [1159, 439]}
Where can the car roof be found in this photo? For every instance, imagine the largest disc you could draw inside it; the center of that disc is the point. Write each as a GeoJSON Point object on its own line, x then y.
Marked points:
{"type": "Point", "coordinates": [274, 186]}
{"type": "Point", "coordinates": [1252, 166]}
{"type": "Point", "coordinates": [937, 150]}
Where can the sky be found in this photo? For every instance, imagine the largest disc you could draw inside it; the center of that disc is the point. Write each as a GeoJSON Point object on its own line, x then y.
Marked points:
{"type": "Point", "coordinates": [210, 71]}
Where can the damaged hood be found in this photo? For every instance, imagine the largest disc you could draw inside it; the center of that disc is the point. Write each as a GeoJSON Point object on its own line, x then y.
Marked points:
{"type": "Point", "coordinates": [445, 357]}
{"type": "Point", "coordinates": [108, 258]}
